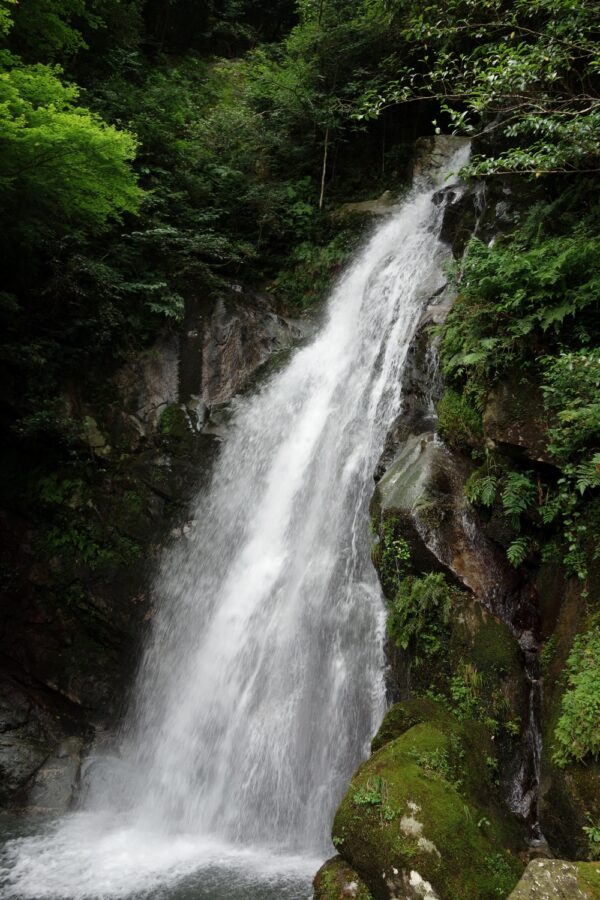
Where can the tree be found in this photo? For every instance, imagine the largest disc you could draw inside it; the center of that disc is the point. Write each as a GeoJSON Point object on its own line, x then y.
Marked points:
{"type": "Point", "coordinates": [62, 169]}
{"type": "Point", "coordinates": [527, 70]}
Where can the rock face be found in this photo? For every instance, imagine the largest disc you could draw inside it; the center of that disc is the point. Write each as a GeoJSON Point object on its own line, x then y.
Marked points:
{"type": "Point", "coordinates": [514, 421]}
{"type": "Point", "coordinates": [378, 207]}
{"type": "Point", "coordinates": [74, 611]}
{"type": "Point", "coordinates": [239, 338]}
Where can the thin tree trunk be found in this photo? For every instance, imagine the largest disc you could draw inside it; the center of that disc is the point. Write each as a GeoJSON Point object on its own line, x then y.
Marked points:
{"type": "Point", "coordinates": [323, 174]}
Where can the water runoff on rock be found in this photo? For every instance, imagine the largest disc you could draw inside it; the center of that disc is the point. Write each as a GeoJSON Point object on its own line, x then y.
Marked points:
{"type": "Point", "coordinates": [263, 679]}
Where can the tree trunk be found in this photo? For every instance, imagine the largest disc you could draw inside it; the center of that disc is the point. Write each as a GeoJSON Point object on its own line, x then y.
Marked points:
{"type": "Point", "coordinates": [324, 172]}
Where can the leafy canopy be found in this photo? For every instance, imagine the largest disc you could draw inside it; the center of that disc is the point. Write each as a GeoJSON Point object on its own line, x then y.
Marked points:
{"type": "Point", "coordinates": [527, 70]}
{"type": "Point", "coordinates": [62, 167]}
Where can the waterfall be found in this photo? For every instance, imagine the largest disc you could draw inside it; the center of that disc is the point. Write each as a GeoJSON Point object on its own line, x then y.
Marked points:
{"type": "Point", "coordinates": [262, 682]}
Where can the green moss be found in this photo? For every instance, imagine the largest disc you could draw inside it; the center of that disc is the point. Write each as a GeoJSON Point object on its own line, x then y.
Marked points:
{"type": "Point", "coordinates": [588, 877]}
{"type": "Point", "coordinates": [458, 422]}
{"type": "Point", "coordinates": [402, 716]}
{"type": "Point", "coordinates": [333, 881]}
{"type": "Point", "coordinates": [438, 815]}
{"type": "Point", "coordinates": [174, 422]}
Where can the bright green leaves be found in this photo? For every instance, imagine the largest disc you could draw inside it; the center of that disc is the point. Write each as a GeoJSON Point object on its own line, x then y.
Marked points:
{"type": "Point", "coordinates": [6, 9]}
{"type": "Point", "coordinates": [61, 168]}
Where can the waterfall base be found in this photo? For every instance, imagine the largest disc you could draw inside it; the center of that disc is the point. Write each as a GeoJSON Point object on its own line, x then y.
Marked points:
{"type": "Point", "coordinates": [92, 857]}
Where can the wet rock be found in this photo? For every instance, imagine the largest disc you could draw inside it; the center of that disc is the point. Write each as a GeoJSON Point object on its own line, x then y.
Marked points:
{"type": "Point", "coordinates": [55, 782]}
{"type": "Point", "coordinates": [381, 206]}
{"type": "Point", "coordinates": [23, 743]}
{"type": "Point", "coordinates": [239, 338]}
{"type": "Point", "coordinates": [569, 796]}
{"type": "Point", "coordinates": [147, 384]}
{"type": "Point", "coordinates": [461, 209]}
{"type": "Point", "coordinates": [557, 879]}
{"type": "Point", "coordinates": [431, 153]}
{"type": "Point", "coordinates": [514, 420]}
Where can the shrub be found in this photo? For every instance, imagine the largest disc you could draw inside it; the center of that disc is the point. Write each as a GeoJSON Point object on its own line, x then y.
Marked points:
{"type": "Point", "coordinates": [458, 423]}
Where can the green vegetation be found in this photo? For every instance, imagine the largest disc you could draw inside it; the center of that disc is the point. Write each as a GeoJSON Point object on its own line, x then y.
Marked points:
{"type": "Point", "coordinates": [527, 69]}
{"type": "Point", "coordinates": [577, 732]}
{"type": "Point", "coordinates": [530, 302]}
{"type": "Point", "coordinates": [458, 423]}
{"type": "Point", "coordinates": [434, 785]}
{"type": "Point", "coordinates": [420, 612]}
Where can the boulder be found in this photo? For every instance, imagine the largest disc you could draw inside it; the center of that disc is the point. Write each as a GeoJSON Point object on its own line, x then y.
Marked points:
{"type": "Point", "coordinates": [336, 880]}
{"type": "Point", "coordinates": [422, 817]}
{"type": "Point", "coordinates": [55, 782]}
{"type": "Point", "coordinates": [557, 879]}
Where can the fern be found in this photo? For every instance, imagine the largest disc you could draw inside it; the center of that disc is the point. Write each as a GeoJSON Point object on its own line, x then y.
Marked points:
{"type": "Point", "coordinates": [518, 550]}
{"type": "Point", "coordinates": [481, 489]}
{"type": "Point", "coordinates": [518, 495]}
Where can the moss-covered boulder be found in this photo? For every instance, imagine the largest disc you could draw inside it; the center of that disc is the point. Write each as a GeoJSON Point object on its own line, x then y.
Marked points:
{"type": "Point", "coordinates": [423, 813]}
{"type": "Point", "coordinates": [336, 880]}
{"type": "Point", "coordinates": [557, 879]}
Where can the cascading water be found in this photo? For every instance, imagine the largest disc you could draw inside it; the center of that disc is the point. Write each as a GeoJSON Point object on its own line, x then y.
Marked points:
{"type": "Point", "coordinates": [263, 680]}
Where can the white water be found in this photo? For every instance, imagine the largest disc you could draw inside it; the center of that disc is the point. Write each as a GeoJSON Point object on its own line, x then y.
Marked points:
{"type": "Point", "coordinates": [263, 680]}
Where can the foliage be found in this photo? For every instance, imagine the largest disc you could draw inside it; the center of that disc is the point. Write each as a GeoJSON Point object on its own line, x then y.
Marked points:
{"type": "Point", "coordinates": [420, 612]}
{"type": "Point", "coordinates": [526, 70]}
{"type": "Point", "coordinates": [577, 732]}
{"type": "Point", "coordinates": [592, 832]}
{"type": "Point", "coordinates": [458, 422]}
{"type": "Point", "coordinates": [530, 301]}
{"type": "Point", "coordinates": [62, 169]}
{"type": "Point", "coordinates": [482, 487]}
{"type": "Point", "coordinates": [391, 557]}
{"type": "Point", "coordinates": [71, 537]}
{"type": "Point", "coordinates": [517, 296]}
{"type": "Point", "coordinates": [571, 389]}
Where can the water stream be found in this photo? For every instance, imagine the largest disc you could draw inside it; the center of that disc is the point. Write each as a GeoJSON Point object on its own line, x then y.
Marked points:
{"type": "Point", "coordinates": [262, 682]}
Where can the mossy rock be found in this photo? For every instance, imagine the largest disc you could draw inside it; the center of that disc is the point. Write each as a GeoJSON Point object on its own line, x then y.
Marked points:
{"type": "Point", "coordinates": [336, 880]}
{"type": "Point", "coordinates": [423, 808]}
{"type": "Point", "coordinates": [403, 716]}
{"type": "Point", "coordinates": [557, 879]}
{"type": "Point", "coordinates": [174, 422]}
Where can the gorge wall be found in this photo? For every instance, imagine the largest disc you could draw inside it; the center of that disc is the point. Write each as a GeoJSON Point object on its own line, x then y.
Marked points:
{"type": "Point", "coordinates": [76, 597]}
